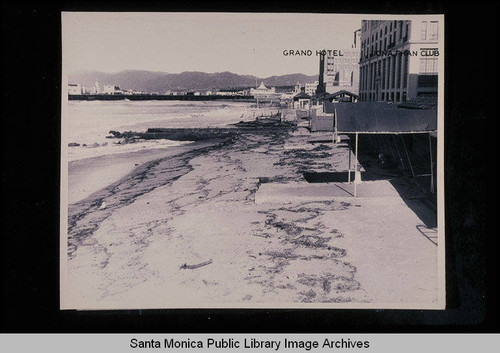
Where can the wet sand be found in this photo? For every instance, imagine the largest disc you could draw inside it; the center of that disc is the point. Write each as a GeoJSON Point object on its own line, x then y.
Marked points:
{"type": "Point", "coordinates": [89, 175]}
{"type": "Point", "coordinates": [185, 231]}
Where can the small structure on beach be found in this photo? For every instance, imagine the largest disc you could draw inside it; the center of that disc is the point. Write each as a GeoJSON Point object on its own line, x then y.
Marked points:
{"type": "Point", "coordinates": [384, 121]}
{"type": "Point", "coordinates": [301, 101]}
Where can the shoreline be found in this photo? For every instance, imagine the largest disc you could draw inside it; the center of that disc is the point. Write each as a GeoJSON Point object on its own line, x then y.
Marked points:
{"type": "Point", "coordinates": [86, 215]}
{"type": "Point", "coordinates": [90, 175]}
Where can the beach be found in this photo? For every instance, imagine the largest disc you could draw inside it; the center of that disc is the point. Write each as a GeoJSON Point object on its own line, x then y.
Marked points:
{"type": "Point", "coordinates": [198, 226]}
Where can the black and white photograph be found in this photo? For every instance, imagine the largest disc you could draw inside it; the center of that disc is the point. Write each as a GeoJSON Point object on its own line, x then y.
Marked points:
{"type": "Point", "coordinates": [252, 160]}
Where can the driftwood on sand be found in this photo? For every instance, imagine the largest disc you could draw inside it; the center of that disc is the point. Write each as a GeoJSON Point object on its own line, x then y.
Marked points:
{"type": "Point", "coordinates": [192, 267]}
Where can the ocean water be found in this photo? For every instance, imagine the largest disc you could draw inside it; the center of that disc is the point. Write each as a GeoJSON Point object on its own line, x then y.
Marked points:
{"type": "Point", "coordinates": [89, 122]}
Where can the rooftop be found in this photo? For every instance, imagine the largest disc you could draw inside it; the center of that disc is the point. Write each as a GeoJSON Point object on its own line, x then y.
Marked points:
{"type": "Point", "coordinates": [301, 95]}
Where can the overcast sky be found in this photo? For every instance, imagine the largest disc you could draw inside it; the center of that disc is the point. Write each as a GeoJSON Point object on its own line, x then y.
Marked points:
{"type": "Point", "coordinates": [211, 42]}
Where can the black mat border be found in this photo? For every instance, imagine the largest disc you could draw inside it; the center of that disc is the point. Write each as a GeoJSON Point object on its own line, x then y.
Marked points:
{"type": "Point", "coordinates": [30, 184]}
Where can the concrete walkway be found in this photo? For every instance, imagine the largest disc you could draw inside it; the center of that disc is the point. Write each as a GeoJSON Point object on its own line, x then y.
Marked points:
{"type": "Point", "coordinates": [303, 191]}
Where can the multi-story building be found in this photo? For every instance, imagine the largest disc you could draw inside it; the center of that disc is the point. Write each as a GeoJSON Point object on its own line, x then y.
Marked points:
{"type": "Point", "coordinates": [310, 88]}
{"type": "Point", "coordinates": [86, 90]}
{"type": "Point", "coordinates": [399, 60]}
{"type": "Point", "coordinates": [74, 88]}
{"type": "Point", "coordinates": [341, 68]}
{"type": "Point", "coordinates": [111, 89]}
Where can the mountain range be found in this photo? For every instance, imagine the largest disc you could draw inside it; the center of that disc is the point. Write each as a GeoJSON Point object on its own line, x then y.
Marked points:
{"type": "Point", "coordinates": [153, 81]}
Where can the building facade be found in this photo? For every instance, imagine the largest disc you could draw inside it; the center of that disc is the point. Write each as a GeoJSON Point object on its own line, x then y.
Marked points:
{"type": "Point", "coordinates": [111, 89]}
{"type": "Point", "coordinates": [399, 60]}
{"type": "Point", "coordinates": [341, 68]}
{"type": "Point", "coordinates": [263, 92]}
{"type": "Point", "coordinates": [74, 89]}
{"type": "Point", "coordinates": [310, 88]}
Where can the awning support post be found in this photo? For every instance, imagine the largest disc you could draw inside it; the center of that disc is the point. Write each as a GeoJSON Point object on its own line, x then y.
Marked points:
{"type": "Point", "coordinates": [397, 150]}
{"type": "Point", "coordinates": [432, 164]}
{"type": "Point", "coordinates": [356, 167]}
{"type": "Point", "coordinates": [385, 144]}
{"type": "Point", "coordinates": [407, 156]}
{"type": "Point", "coordinates": [349, 170]}
{"type": "Point", "coordinates": [377, 138]}
{"type": "Point", "coordinates": [392, 151]}
{"type": "Point", "coordinates": [335, 129]}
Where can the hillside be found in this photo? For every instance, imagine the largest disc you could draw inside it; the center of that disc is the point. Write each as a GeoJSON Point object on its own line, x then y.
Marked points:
{"type": "Point", "coordinates": [151, 81]}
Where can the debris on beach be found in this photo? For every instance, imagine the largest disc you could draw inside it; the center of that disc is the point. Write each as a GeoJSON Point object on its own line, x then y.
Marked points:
{"type": "Point", "coordinates": [192, 267]}
{"type": "Point", "coordinates": [103, 205]}
{"type": "Point", "coordinates": [197, 134]}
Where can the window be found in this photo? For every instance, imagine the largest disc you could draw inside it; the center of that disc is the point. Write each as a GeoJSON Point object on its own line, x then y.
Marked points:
{"type": "Point", "coordinates": [428, 66]}
{"type": "Point", "coordinates": [423, 31]}
{"type": "Point", "coordinates": [383, 73]}
{"type": "Point", "coordinates": [405, 72]}
{"type": "Point", "coordinates": [428, 73]}
{"type": "Point", "coordinates": [393, 73]}
{"type": "Point", "coordinates": [433, 30]}
{"type": "Point", "coordinates": [398, 76]}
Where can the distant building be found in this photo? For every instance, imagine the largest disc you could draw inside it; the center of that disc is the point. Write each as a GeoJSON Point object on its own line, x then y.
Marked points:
{"type": "Point", "coordinates": [263, 92]}
{"type": "Point", "coordinates": [111, 89]}
{"type": "Point", "coordinates": [288, 95]}
{"type": "Point", "coordinates": [301, 101]}
{"type": "Point", "coordinates": [310, 88]}
{"type": "Point", "coordinates": [233, 92]}
{"type": "Point", "coordinates": [399, 60]}
{"type": "Point", "coordinates": [341, 68]}
{"type": "Point", "coordinates": [74, 89]}
{"type": "Point", "coordinates": [86, 90]}
{"type": "Point", "coordinates": [297, 88]}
